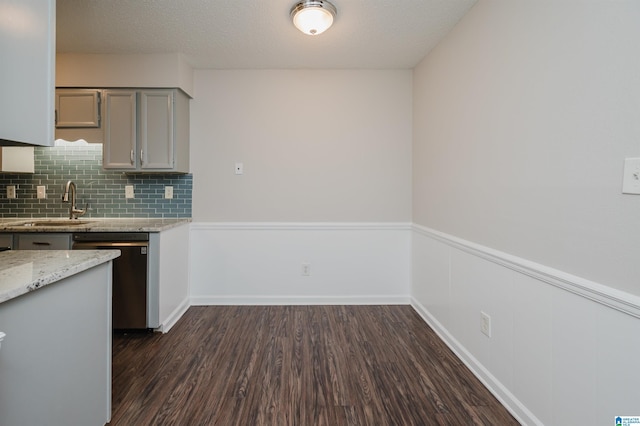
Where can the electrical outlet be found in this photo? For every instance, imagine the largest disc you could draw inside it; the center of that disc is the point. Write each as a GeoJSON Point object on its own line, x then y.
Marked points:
{"type": "Point", "coordinates": [128, 191]}
{"type": "Point", "coordinates": [306, 269]}
{"type": "Point", "coordinates": [11, 191]}
{"type": "Point", "coordinates": [41, 191]}
{"type": "Point", "coordinates": [168, 192]}
{"type": "Point", "coordinates": [485, 324]}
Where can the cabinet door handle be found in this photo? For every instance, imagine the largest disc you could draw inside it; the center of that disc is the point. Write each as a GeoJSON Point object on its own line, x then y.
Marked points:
{"type": "Point", "coordinates": [131, 157]}
{"type": "Point", "coordinates": [41, 243]}
{"type": "Point", "coordinates": [141, 157]}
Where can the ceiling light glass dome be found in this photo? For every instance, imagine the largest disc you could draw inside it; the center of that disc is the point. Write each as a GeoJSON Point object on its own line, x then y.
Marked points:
{"type": "Point", "coordinates": [313, 17]}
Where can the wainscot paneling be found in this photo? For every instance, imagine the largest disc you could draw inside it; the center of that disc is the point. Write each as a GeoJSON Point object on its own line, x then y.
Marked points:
{"type": "Point", "coordinates": [563, 350]}
{"type": "Point", "coordinates": [262, 263]}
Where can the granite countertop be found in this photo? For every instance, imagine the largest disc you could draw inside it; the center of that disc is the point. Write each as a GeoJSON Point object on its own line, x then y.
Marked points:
{"type": "Point", "coordinates": [89, 224]}
{"type": "Point", "coordinates": [23, 271]}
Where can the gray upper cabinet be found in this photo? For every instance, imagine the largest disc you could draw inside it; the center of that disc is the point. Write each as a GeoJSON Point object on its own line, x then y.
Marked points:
{"type": "Point", "coordinates": [156, 129]}
{"type": "Point", "coordinates": [146, 130]}
{"type": "Point", "coordinates": [78, 115]}
{"type": "Point", "coordinates": [28, 50]}
{"type": "Point", "coordinates": [77, 108]}
{"type": "Point", "coordinates": [120, 133]}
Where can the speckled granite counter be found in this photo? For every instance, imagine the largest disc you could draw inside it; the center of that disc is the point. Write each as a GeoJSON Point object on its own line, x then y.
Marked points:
{"type": "Point", "coordinates": [89, 224]}
{"type": "Point", "coordinates": [24, 271]}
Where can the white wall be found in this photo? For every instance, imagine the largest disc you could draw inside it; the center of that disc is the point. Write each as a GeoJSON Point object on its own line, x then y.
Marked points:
{"type": "Point", "coordinates": [124, 70]}
{"type": "Point", "coordinates": [327, 178]}
{"type": "Point", "coordinates": [554, 357]}
{"type": "Point", "coordinates": [317, 146]}
{"type": "Point", "coordinates": [523, 116]}
{"type": "Point", "coordinates": [261, 263]}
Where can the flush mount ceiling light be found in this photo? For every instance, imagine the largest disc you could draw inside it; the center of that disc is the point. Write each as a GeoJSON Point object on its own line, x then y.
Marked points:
{"type": "Point", "coordinates": [313, 17]}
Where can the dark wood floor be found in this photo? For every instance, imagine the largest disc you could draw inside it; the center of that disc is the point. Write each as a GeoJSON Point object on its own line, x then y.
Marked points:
{"type": "Point", "coordinates": [296, 365]}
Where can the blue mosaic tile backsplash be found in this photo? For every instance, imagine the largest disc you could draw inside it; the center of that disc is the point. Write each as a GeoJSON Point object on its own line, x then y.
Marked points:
{"type": "Point", "coordinates": [102, 190]}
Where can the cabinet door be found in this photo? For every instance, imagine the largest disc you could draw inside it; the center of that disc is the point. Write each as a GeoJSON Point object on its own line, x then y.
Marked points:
{"type": "Point", "coordinates": [156, 129]}
{"type": "Point", "coordinates": [27, 73]}
{"type": "Point", "coordinates": [119, 150]}
{"type": "Point", "coordinates": [77, 108]}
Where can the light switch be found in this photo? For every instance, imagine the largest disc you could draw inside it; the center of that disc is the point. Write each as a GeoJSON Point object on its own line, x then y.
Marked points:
{"type": "Point", "coordinates": [41, 191]}
{"type": "Point", "coordinates": [239, 168]}
{"type": "Point", "coordinates": [631, 180]}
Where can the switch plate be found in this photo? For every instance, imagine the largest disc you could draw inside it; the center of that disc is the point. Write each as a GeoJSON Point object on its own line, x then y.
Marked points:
{"type": "Point", "coordinates": [239, 168]}
{"type": "Point", "coordinates": [631, 179]}
{"type": "Point", "coordinates": [306, 269]}
{"type": "Point", "coordinates": [128, 191]}
{"type": "Point", "coordinates": [11, 191]}
{"type": "Point", "coordinates": [485, 324]}
{"type": "Point", "coordinates": [168, 192]}
{"type": "Point", "coordinates": [41, 191]}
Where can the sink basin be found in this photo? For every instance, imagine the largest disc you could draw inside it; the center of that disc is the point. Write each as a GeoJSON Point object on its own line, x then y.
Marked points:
{"type": "Point", "coordinates": [62, 222]}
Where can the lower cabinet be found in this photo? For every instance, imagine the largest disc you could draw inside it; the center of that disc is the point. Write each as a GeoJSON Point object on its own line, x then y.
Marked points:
{"type": "Point", "coordinates": [43, 241]}
{"type": "Point", "coordinates": [6, 241]}
{"type": "Point", "coordinates": [55, 360]}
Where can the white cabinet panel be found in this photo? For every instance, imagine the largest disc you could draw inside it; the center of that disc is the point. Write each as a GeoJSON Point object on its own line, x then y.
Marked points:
{"type": "Point", "coordinates": [27, 49]}
{"type": "Point", "coordinates": [55, 360]}
{"type": "Point", "coordinates": [17, 159]}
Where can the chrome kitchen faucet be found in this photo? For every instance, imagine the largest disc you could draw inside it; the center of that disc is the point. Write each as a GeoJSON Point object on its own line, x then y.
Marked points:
{"type": "Point", "coordinates": [74, 212]}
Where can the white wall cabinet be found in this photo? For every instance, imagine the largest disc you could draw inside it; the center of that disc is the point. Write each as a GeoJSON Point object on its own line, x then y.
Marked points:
{"type": "Point", "coordinates": [146, 130]}
{"type": "Point", "coordinates": [55, 360]}
{"type": "Point", "coordinates": [27, 49]}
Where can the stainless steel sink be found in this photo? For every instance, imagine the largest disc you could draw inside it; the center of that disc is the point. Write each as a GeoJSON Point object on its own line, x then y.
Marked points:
{"type": "Point", "coordinates": [58, 223]}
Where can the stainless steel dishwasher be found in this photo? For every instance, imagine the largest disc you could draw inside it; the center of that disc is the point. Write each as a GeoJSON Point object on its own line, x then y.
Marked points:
{"type": "Point", "coordinates": [130, 279]}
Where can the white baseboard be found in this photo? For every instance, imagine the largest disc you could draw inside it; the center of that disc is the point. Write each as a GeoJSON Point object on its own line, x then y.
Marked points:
{"type": "Point", "coordinates": [506, 398]}
{"type": "Point", "coordinates": [292, 300]}
{"type": "Point", "coordinates": [549, 330]}
{"type": "Point", "coordinates": [174, 316]}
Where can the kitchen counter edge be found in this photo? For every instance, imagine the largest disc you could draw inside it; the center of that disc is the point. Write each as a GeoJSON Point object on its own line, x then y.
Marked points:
{"type": "Point", "coordinates": [24, 271]}
{"type": "Point", "coordinates": [17, 225]}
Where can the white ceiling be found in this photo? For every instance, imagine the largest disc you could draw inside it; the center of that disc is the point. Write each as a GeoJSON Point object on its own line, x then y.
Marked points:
{"type": "Point", "coordinates": [235, 34]}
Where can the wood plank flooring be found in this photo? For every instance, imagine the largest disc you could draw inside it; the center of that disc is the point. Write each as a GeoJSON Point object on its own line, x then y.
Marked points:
{"type": "Point", "coordinates": [296, 365]}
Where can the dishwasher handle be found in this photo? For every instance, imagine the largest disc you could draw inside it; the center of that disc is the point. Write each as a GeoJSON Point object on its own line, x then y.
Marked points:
{"type": "Point", "coordinates": [94, 245]}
